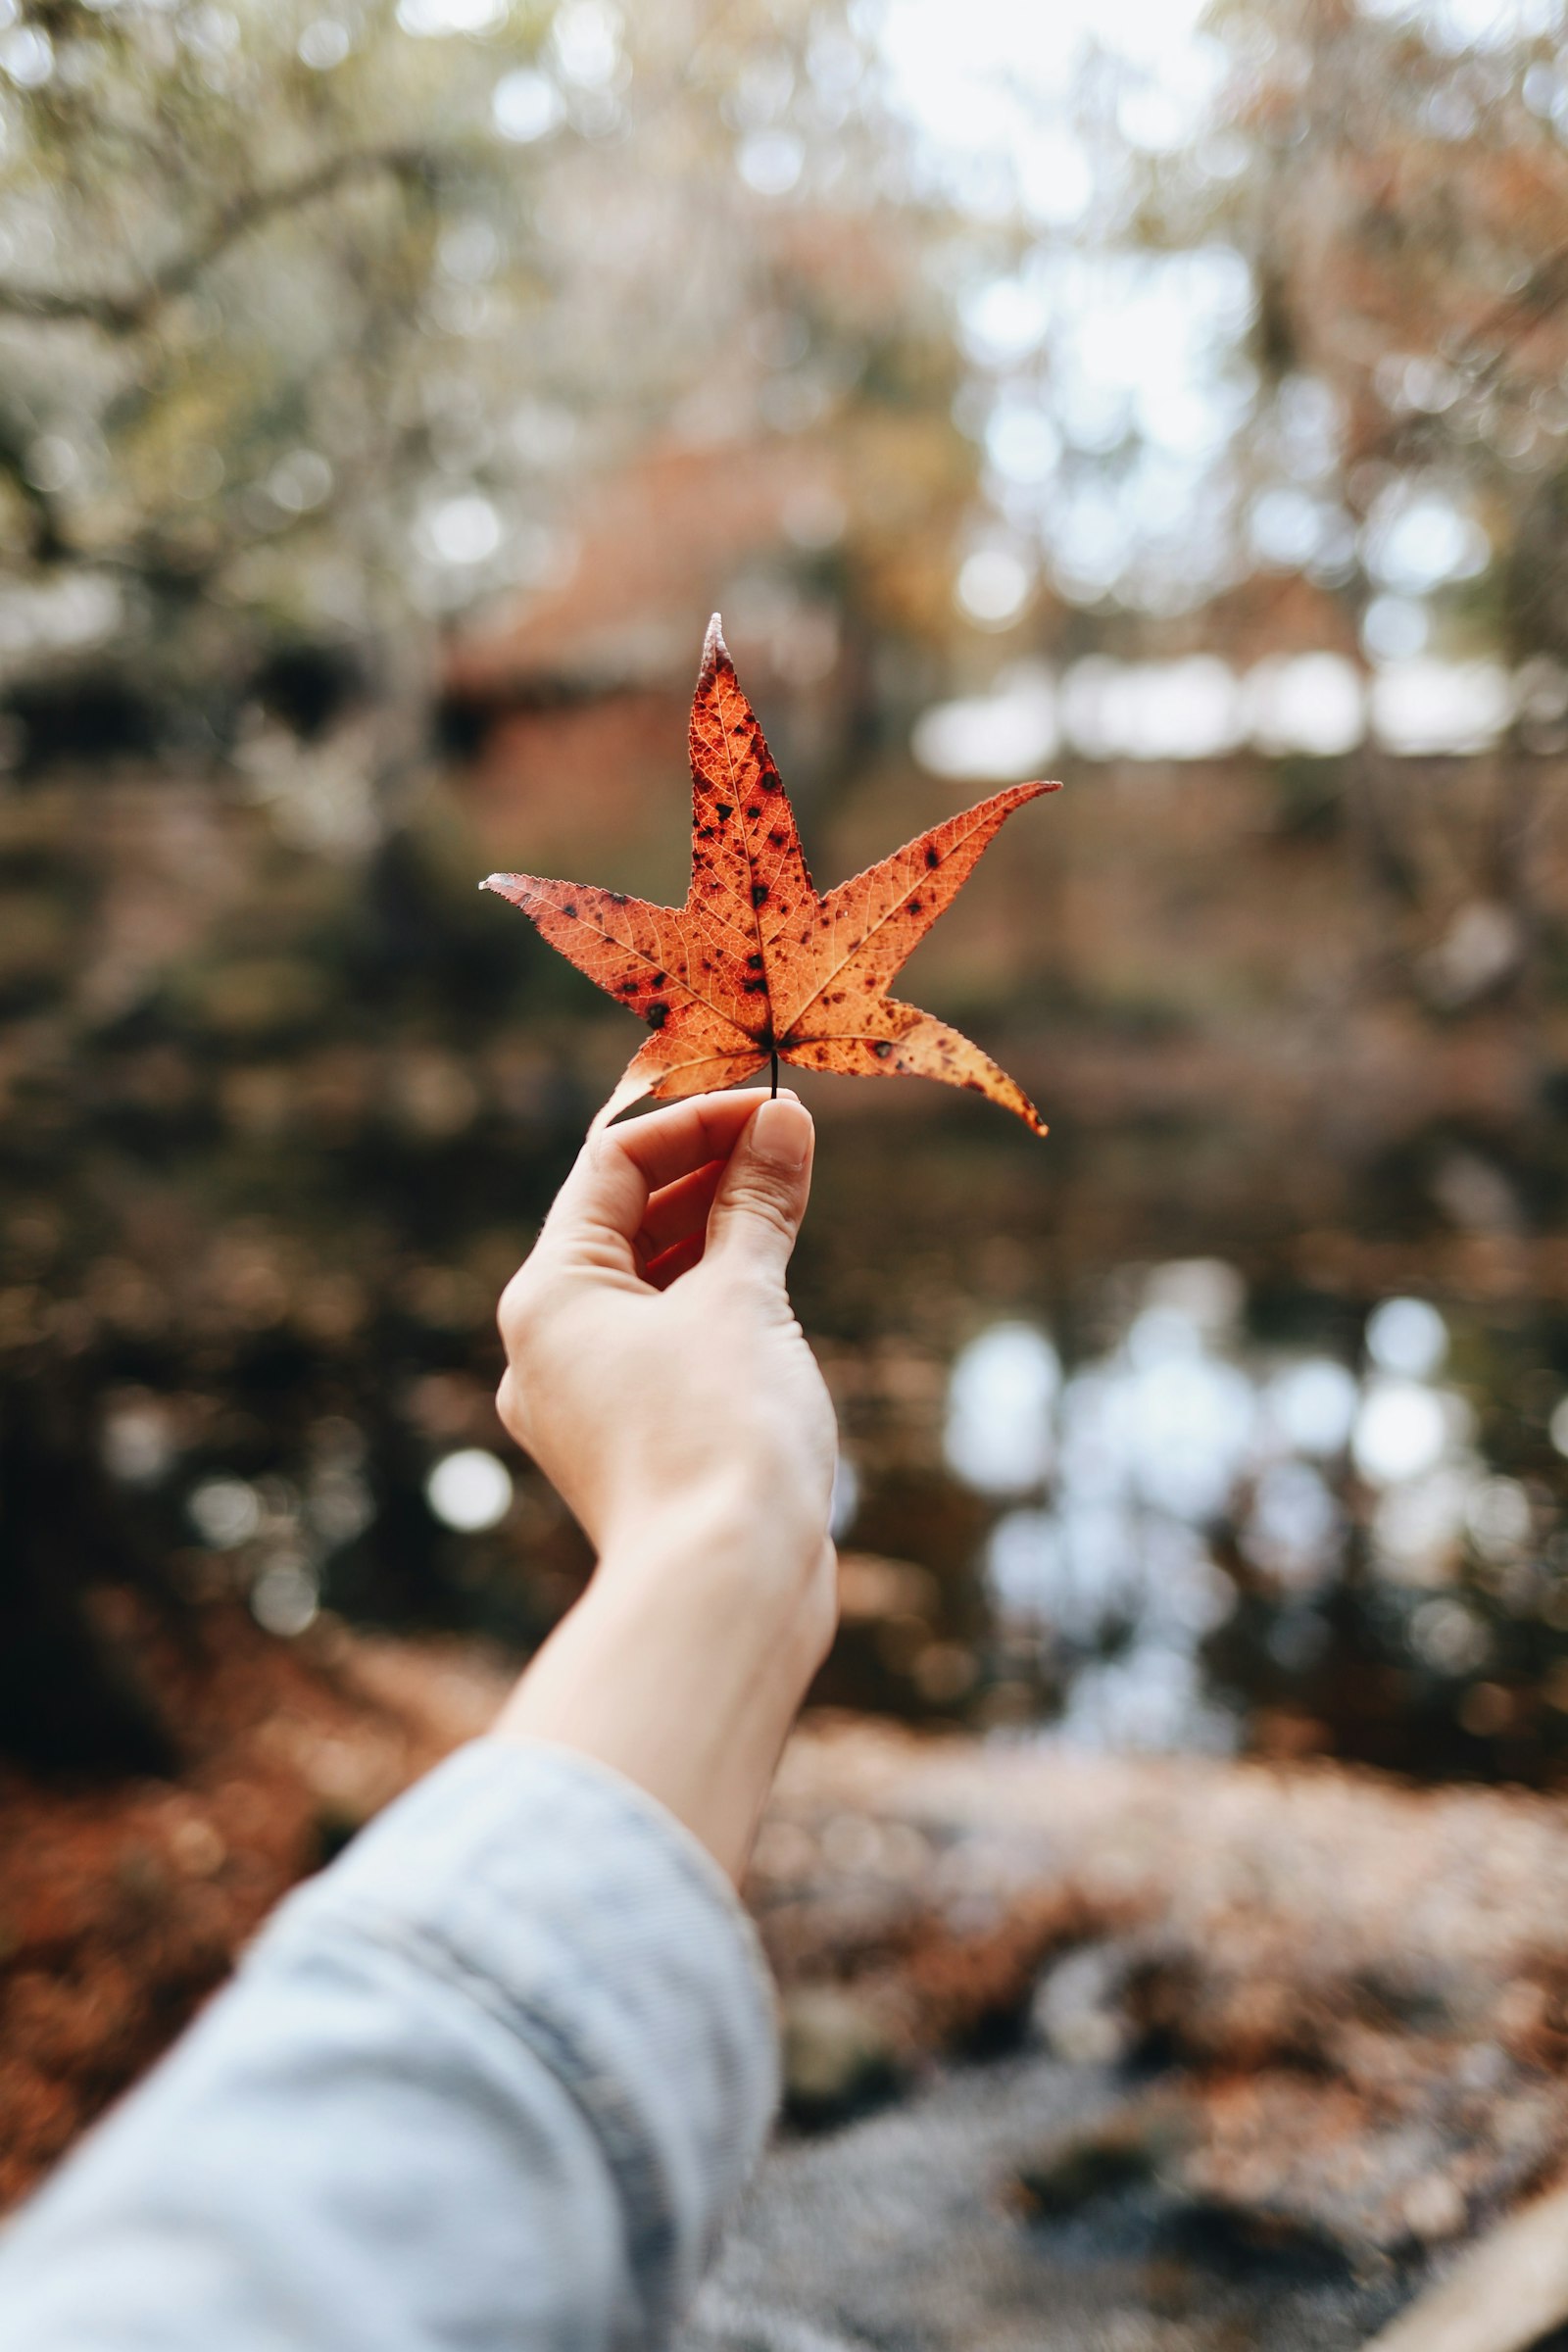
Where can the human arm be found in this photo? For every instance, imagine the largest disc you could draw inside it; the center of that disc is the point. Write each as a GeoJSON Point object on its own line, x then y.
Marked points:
{"type": "Point", "coordinates": [494, 2079]}
{"type": "Point", "coordinates": [657, 1373]}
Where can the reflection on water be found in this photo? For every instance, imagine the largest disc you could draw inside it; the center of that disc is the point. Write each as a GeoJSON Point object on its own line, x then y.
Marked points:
{"type": "Point", "coordinates": [1198, 1537]}
{"type": "Point", "coordinates": [1159, 1509]}
{"type": "Point", "coordinates": [1000, 1433]}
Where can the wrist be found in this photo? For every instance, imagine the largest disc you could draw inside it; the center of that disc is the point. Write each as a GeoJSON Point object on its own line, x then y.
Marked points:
{"type": "Point", "coordinates": [708, 1538]}
{"type": "Point", "coordinates": [683, 1666]}
{"type": "Point", "coordinates": [747, 1608]}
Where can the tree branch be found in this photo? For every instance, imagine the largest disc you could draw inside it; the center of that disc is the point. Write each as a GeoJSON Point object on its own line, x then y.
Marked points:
{"type": "Point", "coordinates": [126, 314]}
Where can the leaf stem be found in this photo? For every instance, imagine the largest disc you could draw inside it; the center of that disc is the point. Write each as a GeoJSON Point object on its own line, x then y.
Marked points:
{"type": "Point", "coordinates": [774, 1096]}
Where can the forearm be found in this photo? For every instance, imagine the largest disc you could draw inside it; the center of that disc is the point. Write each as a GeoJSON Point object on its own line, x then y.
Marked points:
{"type": "Point", "coordinates": [682, 1668]}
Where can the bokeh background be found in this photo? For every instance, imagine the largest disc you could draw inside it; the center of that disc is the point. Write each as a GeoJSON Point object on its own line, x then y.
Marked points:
{"type": "Point", "coordinates": [1167, 398]}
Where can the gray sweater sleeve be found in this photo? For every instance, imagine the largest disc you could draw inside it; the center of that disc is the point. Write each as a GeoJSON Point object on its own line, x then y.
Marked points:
{"type": "Point", "coordinates": [491, 2083]}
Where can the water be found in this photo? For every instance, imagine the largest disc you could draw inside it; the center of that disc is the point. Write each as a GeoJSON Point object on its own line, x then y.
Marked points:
{"type": "Point", "coordinates": [1159, 1504]}
{"type": "Point", "coordinates": [1180, 1509]}
{"type": "Point", "coordinates": [1226, 1418]}
{"type": "Point", "coordinates": [1120, 1499]}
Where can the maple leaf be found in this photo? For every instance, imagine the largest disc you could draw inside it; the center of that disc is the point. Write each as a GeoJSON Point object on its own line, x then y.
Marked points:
{"type": "Point", "coordinates": [755, 965]}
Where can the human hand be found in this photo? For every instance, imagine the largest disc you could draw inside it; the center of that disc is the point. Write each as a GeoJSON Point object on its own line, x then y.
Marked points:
{"type": "Point", "coordinates": [657, 1374]}
{"type": "Point", "coordinates": [654, 1369]}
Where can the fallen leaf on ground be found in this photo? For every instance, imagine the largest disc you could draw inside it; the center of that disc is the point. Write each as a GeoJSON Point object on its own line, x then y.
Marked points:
{"type": "Point", "coordinates": [755, 965]}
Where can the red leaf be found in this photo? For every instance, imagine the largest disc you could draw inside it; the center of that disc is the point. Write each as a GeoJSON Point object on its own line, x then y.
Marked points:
{"type": "Point", "coordinates": [756, 963]}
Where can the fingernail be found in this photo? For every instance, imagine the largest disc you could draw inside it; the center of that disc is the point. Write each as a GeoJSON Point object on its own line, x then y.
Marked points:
{"type": "Point", "coordinates": [781, 1132]}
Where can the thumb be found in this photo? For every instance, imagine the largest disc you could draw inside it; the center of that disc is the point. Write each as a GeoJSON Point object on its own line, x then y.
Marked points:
{"type": "Point", "coordinates": [761, 1196]}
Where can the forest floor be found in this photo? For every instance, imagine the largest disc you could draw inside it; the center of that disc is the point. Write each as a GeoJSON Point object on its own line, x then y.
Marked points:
{"type": "Point", "coordinates": [1186, 2053]}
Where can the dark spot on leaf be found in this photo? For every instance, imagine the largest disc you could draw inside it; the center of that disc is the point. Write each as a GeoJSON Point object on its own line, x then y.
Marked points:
{"type": "Point", "coordinates": [657, 1016]}
{"type": "Point", "coordinates": [571, 910]}
{"type": "Point", "coordinates": [882, 1049]}
{"type": "Point", "coordinates": [758, 894]}
{"type": "Point", "coordinates": [755, 988]}
{"type": "Point", "coordinates": [723, 812]}
{"type": "Point", "coordinates": [933, 856]}
{"type": "Point", "coordinates": [914, 905]}
{"type": "Point", "coordinates": [754, 963]}
{"type": "Point", "coordinates": [754, 810]}
{"type": "Point", "coordinates": [617, 897]}
{"type": "Point", "coordinates": [777, 838]}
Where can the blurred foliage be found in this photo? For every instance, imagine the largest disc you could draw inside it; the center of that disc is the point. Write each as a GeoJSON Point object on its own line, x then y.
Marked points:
{"type": "Point", "coordinates": [317, 321]}
{"type": "Point", "coordinates": [386, 395]}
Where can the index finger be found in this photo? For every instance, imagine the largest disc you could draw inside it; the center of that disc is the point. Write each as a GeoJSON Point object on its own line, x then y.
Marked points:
{"type": "Point", "coordinates": [617, 1169]}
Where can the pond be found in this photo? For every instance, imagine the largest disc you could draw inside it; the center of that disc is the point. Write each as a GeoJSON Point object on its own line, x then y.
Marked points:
{"type": "Point", "coordinates": [1155, 1502]}
{"type": "Point", "coordinates": [1185, 1503]}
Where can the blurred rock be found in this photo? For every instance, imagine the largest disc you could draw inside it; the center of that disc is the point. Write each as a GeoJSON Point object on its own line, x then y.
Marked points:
{"type": "Point", "coordinates": [837, 2056]}
{"type": "Point", "coordinates": [1079, 2011]}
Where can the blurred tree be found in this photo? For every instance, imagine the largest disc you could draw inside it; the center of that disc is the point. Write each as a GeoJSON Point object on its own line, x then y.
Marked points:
{"type": "Point", "coordinates": [1400, 188]}
{"type": "Point", "coordinates": [318, 323]}
{"type": "Point", "coordinates": [314, 317]}
{"type": "Point", "coordinates": [1403, 201]}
